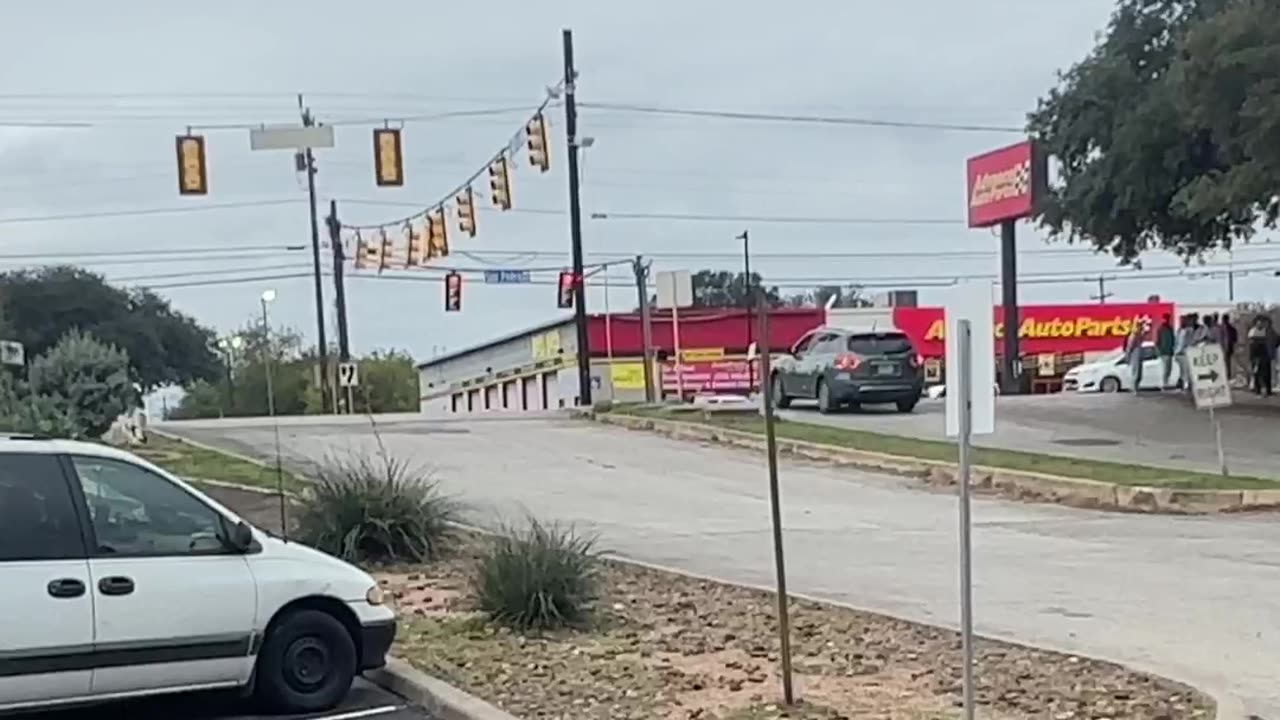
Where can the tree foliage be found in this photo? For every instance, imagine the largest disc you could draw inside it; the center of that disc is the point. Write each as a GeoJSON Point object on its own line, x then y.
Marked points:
{"type": "Point", "coordinates": [388, 380]}
{"type": "Point", "coordinates": [164, 346]}
{"type": "Point", "coordinates": [1158, 133]}
{"type": "Point", "coordinates": [90, 377]}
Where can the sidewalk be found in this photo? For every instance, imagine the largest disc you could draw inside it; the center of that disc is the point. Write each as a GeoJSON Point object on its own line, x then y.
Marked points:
{"type": "Point", "coordinates": [1243, 401]}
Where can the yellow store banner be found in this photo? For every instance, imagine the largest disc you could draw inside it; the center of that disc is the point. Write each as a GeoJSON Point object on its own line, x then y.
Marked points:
{"type": "Point", "coordinates": [627, 376]}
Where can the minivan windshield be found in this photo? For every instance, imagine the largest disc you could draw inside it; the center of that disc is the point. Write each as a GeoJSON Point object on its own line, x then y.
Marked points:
{"type": "Point", "coordinates": [879, 344]}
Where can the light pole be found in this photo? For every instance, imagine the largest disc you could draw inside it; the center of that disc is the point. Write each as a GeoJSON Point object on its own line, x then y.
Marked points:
{"type": "Point", "coordinates": [268, 297]}
{"type": "Point", "coordinates": [747, 301]}
{"type": "Point", "coordinates": [230, 346]}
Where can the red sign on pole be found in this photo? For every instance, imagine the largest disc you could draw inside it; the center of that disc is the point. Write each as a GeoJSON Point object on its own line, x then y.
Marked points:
{"type": "Point", "coordinates": [1005, 184]}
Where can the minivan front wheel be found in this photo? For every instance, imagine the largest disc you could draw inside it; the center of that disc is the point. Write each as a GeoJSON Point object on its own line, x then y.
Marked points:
{"type": "Point", "coordinates": [306, 664]}
{"type": "Point", "coordinates": [780, 399]}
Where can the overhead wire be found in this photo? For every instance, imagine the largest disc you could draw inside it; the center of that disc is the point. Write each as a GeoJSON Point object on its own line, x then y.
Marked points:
{"type": "Point", "coordinates": [796, 118]}
{"type": "Point", "coordinates": [135, 212]}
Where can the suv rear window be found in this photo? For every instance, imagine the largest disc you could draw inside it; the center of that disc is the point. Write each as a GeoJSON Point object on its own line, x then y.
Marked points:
{"type": "Point", "coordinates": [879, 344]}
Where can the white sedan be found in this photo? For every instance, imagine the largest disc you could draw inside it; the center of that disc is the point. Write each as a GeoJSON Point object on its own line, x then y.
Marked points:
{"type": "Point", "coordinates": [1111, 373]}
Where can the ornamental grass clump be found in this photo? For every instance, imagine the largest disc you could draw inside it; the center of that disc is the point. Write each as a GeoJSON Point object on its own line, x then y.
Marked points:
{"type": "Point", "coordinates": [537, 576]}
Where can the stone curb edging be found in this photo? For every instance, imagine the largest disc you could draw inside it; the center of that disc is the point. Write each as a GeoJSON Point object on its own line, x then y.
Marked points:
{"type": "Point", "coordinates": [436, 696]}
{"type": "Point", "coordinates": [1023, 485]}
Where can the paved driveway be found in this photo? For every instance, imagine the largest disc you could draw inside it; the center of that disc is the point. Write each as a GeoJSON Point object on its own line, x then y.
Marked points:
{"type": "Point", "coordinates": [1151, 429]}
{"type": "Point", "coordinates": [1193, 598]}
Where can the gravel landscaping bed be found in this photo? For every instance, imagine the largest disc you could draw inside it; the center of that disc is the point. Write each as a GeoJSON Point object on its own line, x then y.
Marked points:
{"type": "Point", "coordinates": [667, 646]}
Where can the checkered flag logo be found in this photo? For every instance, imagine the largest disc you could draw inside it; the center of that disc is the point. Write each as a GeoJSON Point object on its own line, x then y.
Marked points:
{"type": "Point", "coordinates": [1022, 178]}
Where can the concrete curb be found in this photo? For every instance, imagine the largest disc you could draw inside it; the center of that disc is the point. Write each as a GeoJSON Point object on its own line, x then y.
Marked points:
{"type": "Point", "coordinates": [437, 697]}
{"type": "Point", "coordinates": [1023, 485]}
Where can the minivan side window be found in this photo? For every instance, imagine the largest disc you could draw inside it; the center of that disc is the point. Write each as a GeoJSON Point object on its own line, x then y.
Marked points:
{"type": "Point", "coordinates": [137, 513]}
{"type": "Point", "coordinates": [879, 344]}
{"type": "Point", "coordinates": [37, 515]}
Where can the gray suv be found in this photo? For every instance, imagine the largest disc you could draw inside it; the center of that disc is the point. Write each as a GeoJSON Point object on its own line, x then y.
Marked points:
{"type": "Point", "coordinates": [840, 367]}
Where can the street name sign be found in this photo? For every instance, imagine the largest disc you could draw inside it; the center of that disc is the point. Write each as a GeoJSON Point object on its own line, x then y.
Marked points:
{"type": "Point", "coordinates": [506, 277]}
{"type": "Point", "coordinates": [1209, 384]}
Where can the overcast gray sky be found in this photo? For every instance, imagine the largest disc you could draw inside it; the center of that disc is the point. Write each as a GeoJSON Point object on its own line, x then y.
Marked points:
{"type": "Point", "coordinates": [140, 72]}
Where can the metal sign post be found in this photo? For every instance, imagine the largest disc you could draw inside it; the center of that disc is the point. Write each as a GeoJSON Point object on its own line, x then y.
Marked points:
{"type": "Point", "coordinates": [964, 342]}
{"type": "Point", "coordinates": [675, 290]}
{"type": "Point", "coordinates": [1210, 389]}
{"type": "Point", "coordinates": [775, 510]}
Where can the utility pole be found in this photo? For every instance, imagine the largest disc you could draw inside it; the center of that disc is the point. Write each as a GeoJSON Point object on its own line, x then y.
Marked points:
{"type": "Point", "coordinates": [339, 292]}
{"type": "Point", "coordinates": [747, 301]}
{"type": "Point", "coordinates": [322, 348]}
{"type": "Point", "coordinates": [646, 326]}
{"type": "Point", "coordinates": [575, 222]}
{"type": "Point", "coordinates": [1010, 358]}
{"type": "Point", "coordinates": [1102, 295]}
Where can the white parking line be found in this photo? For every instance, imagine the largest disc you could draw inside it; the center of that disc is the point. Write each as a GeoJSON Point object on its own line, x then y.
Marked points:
{"type": "Point", "coordinates": [368, 712]}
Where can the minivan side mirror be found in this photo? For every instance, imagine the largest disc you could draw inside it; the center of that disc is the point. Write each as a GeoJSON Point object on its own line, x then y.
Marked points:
{"type": "Point", "coordinates": [241, 539]}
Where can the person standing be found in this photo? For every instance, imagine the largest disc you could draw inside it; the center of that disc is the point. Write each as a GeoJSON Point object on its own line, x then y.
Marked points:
{"type": "Point", "coordinates": [1133, 354]}
{"type": "Point", "coordinates": [1261, 351]}
{"type": "Point", "coordinates": [1187, 328]}
{"type": "Point", "coordinates": [1165, 341]}
{"type": "Point", "coordinates": [1230, 336]}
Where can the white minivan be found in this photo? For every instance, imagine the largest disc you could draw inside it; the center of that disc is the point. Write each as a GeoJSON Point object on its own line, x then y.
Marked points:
{"type": "Point", "coordinates": [119, 580]}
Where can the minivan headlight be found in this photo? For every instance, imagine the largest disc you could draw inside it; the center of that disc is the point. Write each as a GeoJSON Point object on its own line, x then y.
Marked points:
{"type": "Point", "coordinates": [375, 596]}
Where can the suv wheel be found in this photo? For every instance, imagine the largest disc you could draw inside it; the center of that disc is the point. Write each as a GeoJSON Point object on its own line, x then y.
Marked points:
{"type": "Point", "coordinates": [306, 664]}
{"type": "Point", "coordinates": [824, 398]}
{"type": "Point", "coordinates": [780, 398]}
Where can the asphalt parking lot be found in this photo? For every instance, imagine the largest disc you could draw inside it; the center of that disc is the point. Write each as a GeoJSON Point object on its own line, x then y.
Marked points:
{"type": "Point", "coordinates": [1161, 430]}
{"type": "Point", "coordinates": [364, 701]}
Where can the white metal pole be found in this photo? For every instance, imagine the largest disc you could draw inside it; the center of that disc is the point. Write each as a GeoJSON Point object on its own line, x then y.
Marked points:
{"type": "Point", "coordinates": [965, 345]}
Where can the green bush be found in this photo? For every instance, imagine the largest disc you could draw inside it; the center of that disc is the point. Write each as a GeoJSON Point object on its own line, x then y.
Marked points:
{"type": "Point", "coordinates": [537, 576]}
{"type": "Point", "coordinates": [376, 510]}
{"type": "Point", "coordinates": [89, 378]}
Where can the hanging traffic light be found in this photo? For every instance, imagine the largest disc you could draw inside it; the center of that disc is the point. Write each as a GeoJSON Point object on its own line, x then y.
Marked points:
{"type": "Point", "coordinates": [368, 254]}
{"type": "Point", "coordinates": [500, 183]}
{"type": "Point", "coordinates": [466, 203]}
{"type": "Point", "coordinates": [539, 153]}
{"type": "Point", "coordinates": [193, 176]}
{"type": "Point", "coordinates": [437, 234]}
{"type": "Point", "coordinates": [388, 160]}
{"type": "Point", "coordinates": [415, 246]}
{"type": "Point", "coordinates": [564, 299]}
{"type": "Point", "coordinates": [452, 292]}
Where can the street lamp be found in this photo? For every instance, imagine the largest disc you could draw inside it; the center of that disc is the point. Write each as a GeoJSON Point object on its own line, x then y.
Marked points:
{"type": "Point", "coordinates": [268, 297]}
{"type": "Point", "coordinates": [229, 347]}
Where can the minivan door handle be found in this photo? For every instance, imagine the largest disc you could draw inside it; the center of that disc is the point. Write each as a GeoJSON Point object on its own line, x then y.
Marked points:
{"type": "Point", "coordinates": [66, 588]}
{"type": "Point", "coordinates": [115, 585]}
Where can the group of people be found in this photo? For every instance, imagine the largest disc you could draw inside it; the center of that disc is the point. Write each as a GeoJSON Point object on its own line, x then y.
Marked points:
{"type": "Point", "coordinates": [1192, 329]}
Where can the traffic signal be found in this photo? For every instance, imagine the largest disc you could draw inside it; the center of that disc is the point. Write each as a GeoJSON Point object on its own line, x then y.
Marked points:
{"type": "Point", "coordinates": [388, 161]}
{"type": "Point", "coordinates": [193, 176]}
{"type": "Point", "coordinates": [416, 246]}
{"type": "Point", "coordinates": [437, 234]}
{"type": "Point", "coordinates": [466, 203]}
{"type": "Point", "coordinates": [452, 292]}
{"type": "Point", "coordinates": [500, 183]}
{"type": "Point", "coordinates": [368, 254]}
{"type": "Point", "coordinates": [539, 153]}
{"type": "Point", "coordinates": [564, 299]}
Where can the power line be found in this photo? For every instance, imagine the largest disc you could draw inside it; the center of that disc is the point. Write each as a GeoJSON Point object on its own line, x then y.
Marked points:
{"type": "Point", "coordinates": [225, 281]}
{"type": "Point", "coordinates": [791, 118]}
{"type": "Point", "coordinates": [227, 251]}
{"type": "Point", "coordinates": [206, 273]}
{"type": "Point", "coordinates": [789, 219]}
{"type": "Point", "coordinates": [145, 211]}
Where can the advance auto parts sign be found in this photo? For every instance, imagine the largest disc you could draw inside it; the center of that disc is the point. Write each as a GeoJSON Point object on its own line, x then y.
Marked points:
{"type": "Point", "coordinates": [1005, 184]}
{"type": "Point", "coordinates": [1042, 328]}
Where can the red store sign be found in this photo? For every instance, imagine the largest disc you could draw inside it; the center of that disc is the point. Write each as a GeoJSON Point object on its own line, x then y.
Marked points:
{"type": "Point", "coordinates": [1041, 328]}
{"type": "Point", "coordinates": [1005, 184]}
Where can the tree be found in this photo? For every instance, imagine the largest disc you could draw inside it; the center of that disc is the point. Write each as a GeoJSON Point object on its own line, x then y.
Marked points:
{"type": "Point", "coordinates": [164, 346]}
{"type": "Point", "coordinates": [89, 377]}
{"type": "Point", "coordinates": [22, 412]}
{"type": "Point", "coordinates": [388, 383]}
{"type": "Point", "coordinates": [846, 296]}
{"type": "Point", "coordinates": [1144, 160]}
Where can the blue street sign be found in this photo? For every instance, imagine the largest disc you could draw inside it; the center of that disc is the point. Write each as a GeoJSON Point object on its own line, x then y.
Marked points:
{"type": "Point", "coordinates": [504, 277]}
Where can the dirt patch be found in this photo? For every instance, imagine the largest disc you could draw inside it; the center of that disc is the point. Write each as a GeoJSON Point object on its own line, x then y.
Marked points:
{"type": "Point", "coordinates": [670, 647]}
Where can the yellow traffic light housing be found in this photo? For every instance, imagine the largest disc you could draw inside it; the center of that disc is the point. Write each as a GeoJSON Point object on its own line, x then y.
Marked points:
{"type": "Point", "coordinates": [437, 234]}
{"type": "Point", "coordinates": [466, 205]}
{"type": "Point", "coordinates": [452, 292]}
{"type": "Point", "coordinates": [415, 246]}
{"type": "Point", "coordinates": [539, 152]}
{"type": "Point", "coordinates": [500, 183]}
{"type": "Point", "coordinates": [388, 159]}
{"type": "Point", "coordinates": [193, 174]}
{"type": "Point", "coordinates": [368, 254]}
